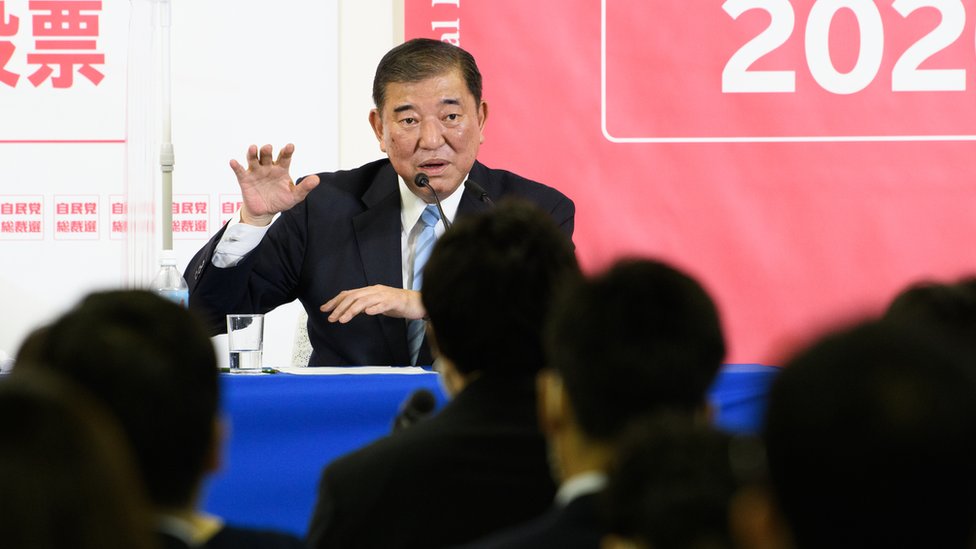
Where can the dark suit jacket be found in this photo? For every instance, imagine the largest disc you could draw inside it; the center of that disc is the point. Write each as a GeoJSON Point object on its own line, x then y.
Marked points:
{"type": "Point", "coordinates": [575, 526]}
{"type": "Point", "coordinates": [477, 466]}
{"type": "Point", "coordinates": [345, 235]}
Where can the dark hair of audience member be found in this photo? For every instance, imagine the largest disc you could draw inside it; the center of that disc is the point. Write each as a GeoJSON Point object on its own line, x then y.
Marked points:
{"type": "Point", "coordinates": [643, 321]}
{"type": "Point", "coordinates": [488, 286]}
{"type": "Point", "coordinates": [674, 481]}
{"type": "Point", "coordinates": [67, 479]}
{"type": "Point", "coordinates": [871, 438]}
{"type": "Point", "coordinates": [423, 58]}
{"type": "Point", "coordinates": [948, 310]}
{"type": "Point", "coordinates": [153, 366]}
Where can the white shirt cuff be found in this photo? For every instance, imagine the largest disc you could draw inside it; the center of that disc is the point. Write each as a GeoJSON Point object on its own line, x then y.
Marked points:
{"type": "Point", "coordinates": [237, 241]}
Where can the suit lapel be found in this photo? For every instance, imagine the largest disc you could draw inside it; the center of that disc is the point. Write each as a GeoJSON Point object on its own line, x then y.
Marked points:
{"type": "Point", "coordinates": [470, 202]}
{"type": "Point", "coordinates": [378, 238]}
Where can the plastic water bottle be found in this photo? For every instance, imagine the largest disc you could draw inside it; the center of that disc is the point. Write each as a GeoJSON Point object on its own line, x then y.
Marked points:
{"type": "Point", "coordinates": [169, 282]}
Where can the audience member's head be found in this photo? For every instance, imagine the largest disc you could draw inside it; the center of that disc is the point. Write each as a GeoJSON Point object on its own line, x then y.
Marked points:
{"type": "Point", "coordinates": [641, 338]}
{"type": "Point", "coordinates": [871, 438]}
{"type": "Point", "coordinates": [67, 479]}
{"type": "Point", "coordinates": [948, 310]}
{"type": "Point", "coordinates": [674, 483]}
{"type": "Point", "coordinates": [153, 366]}
{"type": "Point", "coordinates": [488, 286]}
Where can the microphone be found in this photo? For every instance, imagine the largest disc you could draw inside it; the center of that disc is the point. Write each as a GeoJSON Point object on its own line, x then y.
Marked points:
{"type": "Point", "coordinates": [480, 191]}
{"type": "Point", "coordinates": [417, 407]}
{"type": "Point", "coordinates": [421, 180]}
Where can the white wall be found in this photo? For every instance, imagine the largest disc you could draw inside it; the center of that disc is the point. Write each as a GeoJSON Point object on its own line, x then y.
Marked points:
{"type": "Point", "coordinates": [366, 31]}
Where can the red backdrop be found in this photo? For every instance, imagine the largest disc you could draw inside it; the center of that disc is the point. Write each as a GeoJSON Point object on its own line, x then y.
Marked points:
{"type": "Point", "coordinates": [845, 174]}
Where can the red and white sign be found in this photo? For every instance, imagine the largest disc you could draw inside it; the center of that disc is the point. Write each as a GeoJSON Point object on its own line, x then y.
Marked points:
{"type": "Point", "coordinates": [804, 159]}
{"type": "Point", "coordinates": [21, 217]}
{"type": "Point", "coordinates": [873, 70]}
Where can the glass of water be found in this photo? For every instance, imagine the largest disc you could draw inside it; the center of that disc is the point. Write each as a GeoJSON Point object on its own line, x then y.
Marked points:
{"type": "Point", "coordinates": [245, 341]}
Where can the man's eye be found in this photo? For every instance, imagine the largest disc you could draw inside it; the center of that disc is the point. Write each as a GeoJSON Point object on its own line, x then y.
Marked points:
{"type": "Point", "coordinates": [454, 116]}
{"type": "Point", "coordinates": [408, 121]}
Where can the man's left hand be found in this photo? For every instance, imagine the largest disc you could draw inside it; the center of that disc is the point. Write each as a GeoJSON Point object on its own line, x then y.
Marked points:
{"type": "Point", "coordinates": [374, 300]}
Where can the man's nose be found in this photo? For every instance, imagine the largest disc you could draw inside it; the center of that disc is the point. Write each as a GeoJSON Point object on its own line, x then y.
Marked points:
{"type": "Point", "coordinates": [431, 134]}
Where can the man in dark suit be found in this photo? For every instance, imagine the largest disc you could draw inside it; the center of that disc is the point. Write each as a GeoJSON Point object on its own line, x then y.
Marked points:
{"type": "Point", "coordinates": [347, 242]}
{"type": "Point", "coordinates": [479, 464]}
{"type": "Point", "coordinates": [642, 338]}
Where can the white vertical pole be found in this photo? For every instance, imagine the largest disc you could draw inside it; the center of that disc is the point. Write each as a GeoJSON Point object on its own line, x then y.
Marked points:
{"type": "Point", "coordinates": [166, 156]}
{"type": "Point", "coordinates": [142, 138]}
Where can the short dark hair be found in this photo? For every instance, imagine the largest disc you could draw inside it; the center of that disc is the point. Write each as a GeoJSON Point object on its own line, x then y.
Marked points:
{"type": "Point", "coordinates": [423, 58]}
{"type": "Point", "coordinates": [640, 338]}
{"type": "Point", "coordinates": [488, 286]}
{"type": "Point", "coordinates": [947, 310]}
{"type": "Point", "coordinates": [871, 441]}
{"type": "Point", "coordinates": [152, 364]}
{"type": "Point", "coordinates": [673, 480]}
{"type": "Point", "coordinates": [67, 477]}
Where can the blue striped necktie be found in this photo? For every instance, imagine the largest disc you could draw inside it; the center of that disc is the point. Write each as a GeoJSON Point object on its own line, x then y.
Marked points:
{"type": "Point", "coordinates": [421, 251]}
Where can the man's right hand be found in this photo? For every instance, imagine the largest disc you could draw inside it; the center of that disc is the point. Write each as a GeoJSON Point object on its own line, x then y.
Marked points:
{"type": "Point", "coordinates": [266, 186]}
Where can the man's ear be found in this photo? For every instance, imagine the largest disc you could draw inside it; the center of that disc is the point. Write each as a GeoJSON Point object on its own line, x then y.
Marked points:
{"type": "Point", "coordinates": [482, 119]}
{"type": "Point", "coordinates": [376, 121]}
{"type": "Point", "coordinates": [553, 406]}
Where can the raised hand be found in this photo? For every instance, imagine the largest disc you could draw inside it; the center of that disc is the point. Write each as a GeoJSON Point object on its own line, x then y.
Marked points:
{"type": "Point", "coordinates": [266, 186]}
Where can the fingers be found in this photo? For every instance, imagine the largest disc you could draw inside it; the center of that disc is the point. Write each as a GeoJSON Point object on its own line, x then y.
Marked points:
{"type": "Point", "coordinates": [252, 157]}
{"type": "Point", "coordinates": [238, 169]}
{"type": "Point", "coordinates": [305, 186]}
{"type": "Point", "coordinates": [284, 156]}
{"type": "Point", "coordinates": [345, 306]}
{"type": "Point", "coordinates": [264, 155]}
{"type": "Point", "coordinates": [372, 300]}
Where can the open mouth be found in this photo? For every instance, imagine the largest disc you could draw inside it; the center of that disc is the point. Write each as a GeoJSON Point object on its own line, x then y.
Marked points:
{"type": "Point", "coordinates": [433, 167]}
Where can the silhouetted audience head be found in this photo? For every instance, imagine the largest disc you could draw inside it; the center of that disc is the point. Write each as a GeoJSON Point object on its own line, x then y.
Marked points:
{"type": "Point", "coordinates": [641, 338]}
{"type": "Point", "coordinates": [153, 366]}
{"type": "Point", "coordinates": [67, 479]}
{"type": "Point", "coordinates": [492, 274]}
{"type": "Point", "coordinates": [674, 483]}
{"type": "Point", "coordinates": [948, 310]}
{"type": "Point", "coordinates": [871, 437]}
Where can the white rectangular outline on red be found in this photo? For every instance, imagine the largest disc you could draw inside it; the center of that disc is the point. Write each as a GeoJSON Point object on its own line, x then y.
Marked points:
{"type": "Point", "coordinates": [756, 139]}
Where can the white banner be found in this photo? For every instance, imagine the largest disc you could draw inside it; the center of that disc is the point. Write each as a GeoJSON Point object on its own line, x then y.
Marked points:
{"type": "Point", "coordinates": [243, 72]}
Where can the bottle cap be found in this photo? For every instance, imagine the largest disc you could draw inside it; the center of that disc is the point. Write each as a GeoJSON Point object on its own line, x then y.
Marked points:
{"type": "Point", "coordinates": [167, 257]}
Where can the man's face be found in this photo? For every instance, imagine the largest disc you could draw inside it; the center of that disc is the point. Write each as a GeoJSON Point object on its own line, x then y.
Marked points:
{"type": "Point", "coordinates": [433, 127]}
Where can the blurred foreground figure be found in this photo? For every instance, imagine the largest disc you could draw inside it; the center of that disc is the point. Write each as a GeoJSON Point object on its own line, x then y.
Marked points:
{"type": "Point", "coordinates": [871, 437]}
{"type": "Point", "coordinates": [680, 484]}
{"type": "Point", "coordinates": [640, 339]}
{"type": "Point", "coordinates": [67, 480]}
{"type": "Point", "coordinates": [151, 363]}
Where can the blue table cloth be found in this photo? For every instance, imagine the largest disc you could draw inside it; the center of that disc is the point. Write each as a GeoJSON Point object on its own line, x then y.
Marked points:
{"type": "Point", "coordinates": [283, 429]}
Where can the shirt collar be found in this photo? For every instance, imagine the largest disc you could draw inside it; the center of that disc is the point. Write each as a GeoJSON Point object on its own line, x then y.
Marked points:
{"type": "Point", "coordinates": [582, 484]}
{"type": "Point", "coordinates": [412, 206]}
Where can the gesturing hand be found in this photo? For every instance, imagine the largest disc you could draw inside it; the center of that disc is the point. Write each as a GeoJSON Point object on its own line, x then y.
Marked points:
{"type": "Point", "coordinates": [266, 186]}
